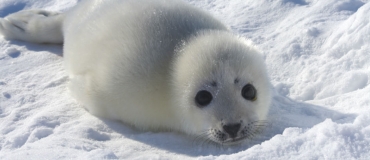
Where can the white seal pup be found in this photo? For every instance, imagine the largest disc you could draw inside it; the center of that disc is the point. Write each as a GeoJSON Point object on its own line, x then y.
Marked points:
{"type": "Point", "coordinates": [156, 65]}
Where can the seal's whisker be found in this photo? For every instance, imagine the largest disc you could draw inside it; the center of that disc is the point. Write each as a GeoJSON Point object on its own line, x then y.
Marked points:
{"type": "Point", "coordinates": [201, 136]}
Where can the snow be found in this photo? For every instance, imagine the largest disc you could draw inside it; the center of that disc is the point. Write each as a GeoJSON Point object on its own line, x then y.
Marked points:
{"type": "Point", "coordinates": [318, 57]}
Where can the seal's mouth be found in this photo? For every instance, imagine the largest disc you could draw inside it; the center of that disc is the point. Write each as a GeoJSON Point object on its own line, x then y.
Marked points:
{"type": "Point", "coordinates": [233, 141]}
{"type": "Point", "coordinates": [236, 135]}
{"type": "Point", "coordinates": [224, 139]}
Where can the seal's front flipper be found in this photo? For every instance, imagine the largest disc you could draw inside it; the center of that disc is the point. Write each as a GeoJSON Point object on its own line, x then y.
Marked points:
{"type": "Point", "coordinates": [36, 26]}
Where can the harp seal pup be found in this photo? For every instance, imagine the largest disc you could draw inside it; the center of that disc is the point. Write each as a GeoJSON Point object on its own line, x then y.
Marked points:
{"type": "Point", "coordinates": [156, 65]}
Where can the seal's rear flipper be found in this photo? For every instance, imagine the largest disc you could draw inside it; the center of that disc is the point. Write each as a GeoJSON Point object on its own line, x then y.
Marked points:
{"type": "Point", "coordinates": [36, 26]}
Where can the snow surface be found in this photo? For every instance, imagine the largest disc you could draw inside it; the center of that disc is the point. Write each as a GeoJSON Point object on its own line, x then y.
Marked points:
{"type": "Point", "coordinates": [318, 58]}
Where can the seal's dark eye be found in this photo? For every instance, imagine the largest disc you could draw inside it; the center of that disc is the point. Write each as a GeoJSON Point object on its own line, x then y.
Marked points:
{"type": "Point", "coordinates": [203, 98]}
{"type": "Point", "coordinates": [249, 92]}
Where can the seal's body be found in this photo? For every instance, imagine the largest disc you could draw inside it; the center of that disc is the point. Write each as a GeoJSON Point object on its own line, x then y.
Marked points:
{"type": "Point", "coordinates": [156, 65]}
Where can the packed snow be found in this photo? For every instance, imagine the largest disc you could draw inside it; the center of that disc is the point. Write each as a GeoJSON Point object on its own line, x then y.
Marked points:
{"type": "Point", "coordinates": [318, 58]}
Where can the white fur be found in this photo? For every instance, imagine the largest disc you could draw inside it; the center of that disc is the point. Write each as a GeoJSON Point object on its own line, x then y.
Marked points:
{"type": "Point", "coordinates": [217, 56]}
{"type": "Point", "coordinates": [143, 61]}
{"type": "Point", "coordinates": [36, 26]}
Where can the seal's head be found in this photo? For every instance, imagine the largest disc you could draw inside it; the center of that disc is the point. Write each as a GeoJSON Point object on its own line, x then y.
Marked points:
{"type": "Point", "coordinates": [221, 87]}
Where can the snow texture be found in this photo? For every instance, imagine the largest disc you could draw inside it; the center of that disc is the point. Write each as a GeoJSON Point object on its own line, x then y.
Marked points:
{"type": "Point", "coordinates": [318, 58]}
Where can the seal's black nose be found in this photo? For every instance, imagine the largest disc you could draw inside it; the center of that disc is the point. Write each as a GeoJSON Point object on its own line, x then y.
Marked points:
{"type": "Point", "coordinates": [232, 129]}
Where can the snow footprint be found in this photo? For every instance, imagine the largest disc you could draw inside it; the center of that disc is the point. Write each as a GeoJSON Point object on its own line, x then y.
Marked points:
{"type": "Point", "coordinates": [40, 127]}
{"type": "Point", "coordinates": [12, 52]}
{"type": "Point", "coordinates": [17, 141]}
{"type": "Point", "coordinates": [95, 135]}
{"type": "Point", "coordinates": [7, 95]}
{"type": "Point", "coordinates": [39, 133]}
{"type": "Point", "coordinates": [352, 5]}
{"type": "Point", "coordinates": [299, 2]}
{"type": "Point", "coordinates": [48, 122]}
{"type": "Point", "coordinates": [21, 139]}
